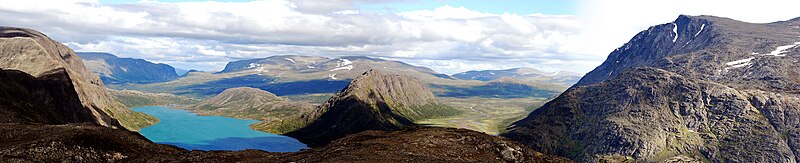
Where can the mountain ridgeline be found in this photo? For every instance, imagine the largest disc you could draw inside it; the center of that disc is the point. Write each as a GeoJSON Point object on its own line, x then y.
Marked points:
{"type": "Point", "coordinates": [702, 88]}
{"type": "Point", "coordinates": [525, 74]}
{"type": "Point", "coordinates": [372, 101]}
{"type": "Point", "coordinates": [115, 70]}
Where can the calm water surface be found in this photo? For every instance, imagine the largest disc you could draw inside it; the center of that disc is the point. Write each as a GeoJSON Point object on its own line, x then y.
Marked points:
{"type": "Point", "coordinates": [190, 131]}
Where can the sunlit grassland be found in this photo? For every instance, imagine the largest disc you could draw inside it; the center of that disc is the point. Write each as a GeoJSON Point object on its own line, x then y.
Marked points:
{"type": "Point", "coordinates": [488, 115]}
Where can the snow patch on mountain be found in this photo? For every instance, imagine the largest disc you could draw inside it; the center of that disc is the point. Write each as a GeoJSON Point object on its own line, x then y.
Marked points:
{"type": "Point", "coordinates": [253, 65]}
{"type": "Point", "coordinates": [781, 50]}
{"type": "Point", "coordinates": [701, 30]}
{"type": "Point", "coordinates": [348, 68]}
{"type": "Point", "coordinates": [739, 63]}
{"type": "Point", "coordinates": [675, 31]}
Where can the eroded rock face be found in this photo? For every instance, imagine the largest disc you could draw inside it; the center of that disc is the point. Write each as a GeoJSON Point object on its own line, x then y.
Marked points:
{"type": "Point", "coordinates": [703, 86]}
{"type": "Point", "coordinates": [34, 53]}
{"type": "Point", "coordinates": [373, 101]}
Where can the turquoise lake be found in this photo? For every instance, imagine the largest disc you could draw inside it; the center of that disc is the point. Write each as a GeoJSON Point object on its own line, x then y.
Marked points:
{"type": "Point", "coordinates": [191, 131]}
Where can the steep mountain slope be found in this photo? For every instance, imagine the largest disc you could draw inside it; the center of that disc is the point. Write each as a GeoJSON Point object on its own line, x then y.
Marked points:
{"type": "Point", "coordinates": [373, 101]}
{"type": "Point", "coordinates": [278, 115]}
{"type": "Point", "coordinates": [34, 53]}
{"type": "Point", "coordinates": [703, 87]}
{"type": "Point", "coordinates": [525, 74]}
{"type": "Point", "coordinates": [49, 99]}
{"type": "Point", "coordinates": [115, 70]}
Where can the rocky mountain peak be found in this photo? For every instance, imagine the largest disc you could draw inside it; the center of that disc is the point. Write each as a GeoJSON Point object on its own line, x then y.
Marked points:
{"type": "Point", "coordinates": [372, 101]}
{"type": "Point", "coordinates": [398, 89]}
{"type": "Point", "coordinates": [704, 87]}
{"type": "Point", "coordinates": [34, 53]}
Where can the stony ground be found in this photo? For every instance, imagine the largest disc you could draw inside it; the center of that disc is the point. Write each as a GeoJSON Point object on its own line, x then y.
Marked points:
{"type": "Point", "coordinates": [91, 143]}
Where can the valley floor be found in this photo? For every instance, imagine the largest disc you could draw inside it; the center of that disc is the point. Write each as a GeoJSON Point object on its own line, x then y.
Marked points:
{"type": "Point", "coordinates": [487, 115]}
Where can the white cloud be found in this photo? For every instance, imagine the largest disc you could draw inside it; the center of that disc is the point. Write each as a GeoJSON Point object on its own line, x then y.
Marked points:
{"type": "Point", "coordinates": [212, 33]}
{"type": "Point", "coordinates": [609, 24]}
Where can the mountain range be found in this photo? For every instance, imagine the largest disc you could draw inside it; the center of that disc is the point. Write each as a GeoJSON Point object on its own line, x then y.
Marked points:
{"type": "Point", "coordinates": [55, 110]}
{"type": "Point", "coordinates": [115, 70]}
{"type": "Point", "coordinates": [700, 87]}
{"type": "Point", "coordinates": [526, 74]}
{"type": "Point", "coordinates": [290, 75]}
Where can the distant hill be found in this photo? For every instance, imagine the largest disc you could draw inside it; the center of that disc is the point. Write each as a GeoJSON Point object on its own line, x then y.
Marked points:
{"type": "Point", "coordinates": [527, 74]}
{"type": "Point", "coordinates": [295, 67]}
{"type": "Point", "coordinates": [115, 70]}
{"type": "Point", "coordinates": [277, 114]}
{"type": "Point", "coordinates": [133, 98]}
{"type": "Point", "coordinates": [373, 101]}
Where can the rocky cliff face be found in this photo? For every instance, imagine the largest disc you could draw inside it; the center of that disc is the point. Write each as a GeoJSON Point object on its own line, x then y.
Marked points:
{"type": "Point", "coordinates": [48, 99]}
{"type": "Point", "coordinates": [278, 115]}
{"type": "Point", "coordinates": [704, 87]}
{"type": "Point", "coordinates": [34, 53]}
{"type": "Point", "coordinates": [373, 101]}
{"type": "Point", "coordinates": [115, 70]}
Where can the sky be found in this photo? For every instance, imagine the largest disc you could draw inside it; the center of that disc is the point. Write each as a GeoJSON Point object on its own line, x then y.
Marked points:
{"type": "Point", "coordinates": [449, 36]}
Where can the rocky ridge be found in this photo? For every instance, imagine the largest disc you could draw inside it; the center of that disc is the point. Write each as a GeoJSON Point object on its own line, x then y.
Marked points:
{"type": "Point", "coordinates": [373, 101]}
{"type": "Point", "coordinates": [704, 87]}
{"type": "Point", "coordinates": [34, 53]}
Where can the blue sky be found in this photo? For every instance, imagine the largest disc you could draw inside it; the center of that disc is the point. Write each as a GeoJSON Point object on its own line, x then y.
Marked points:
{"type": "Point", "coordinates": [522, 7]}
